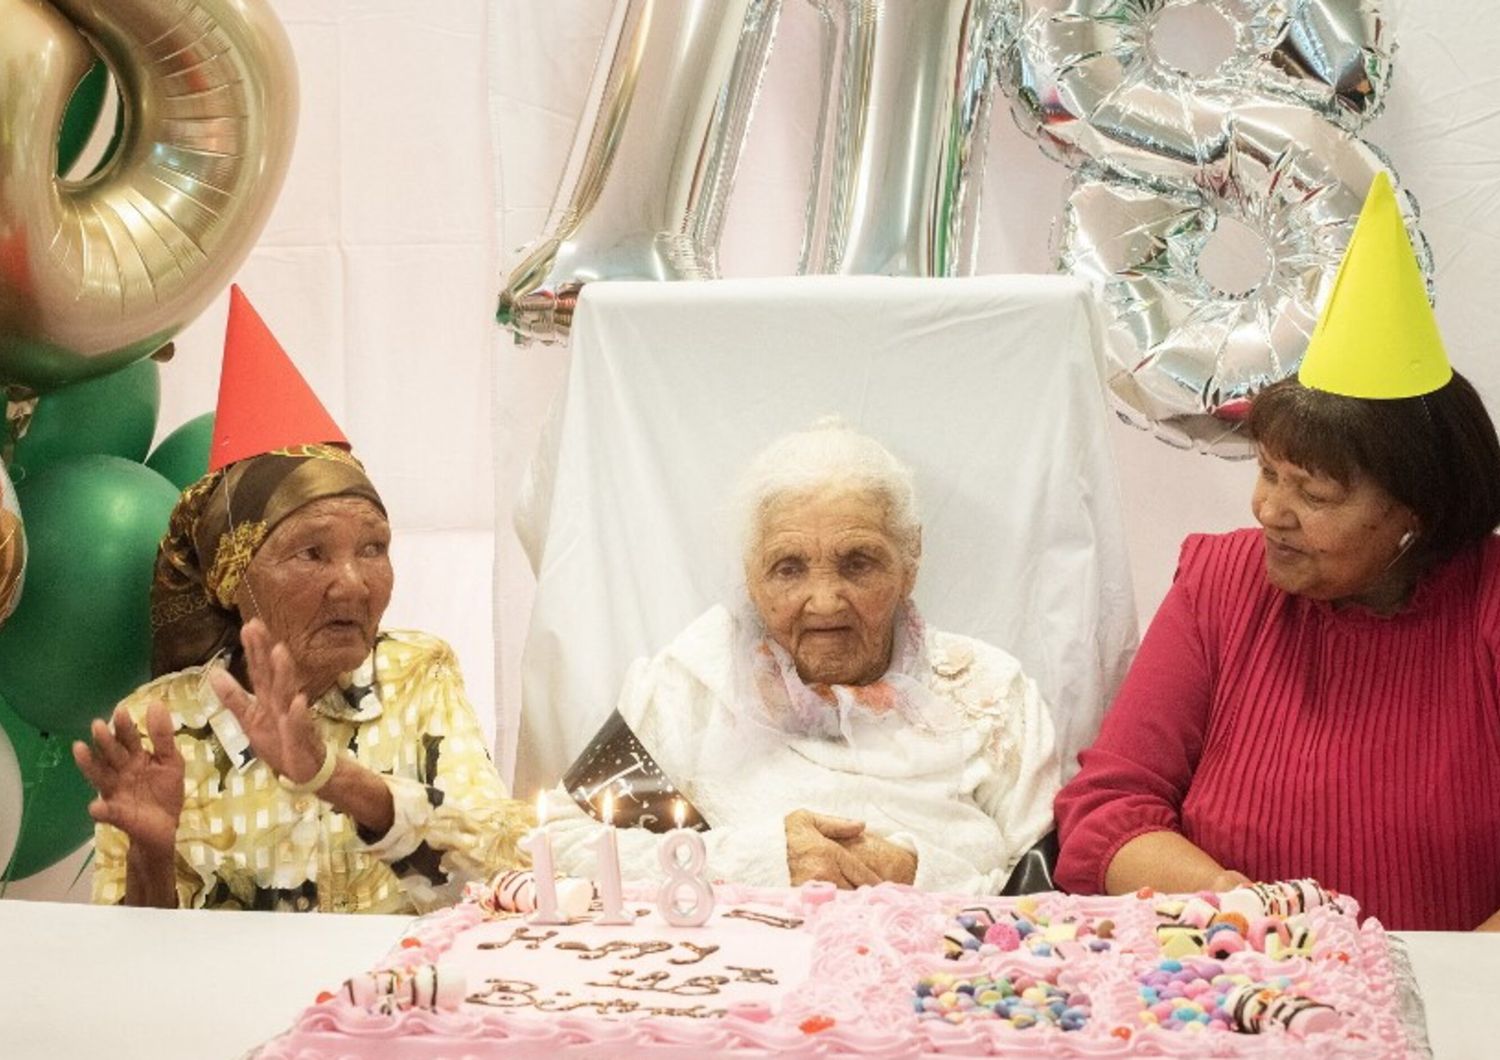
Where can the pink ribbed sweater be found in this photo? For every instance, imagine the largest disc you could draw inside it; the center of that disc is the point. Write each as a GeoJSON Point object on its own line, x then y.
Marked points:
{"type": "Point", "coordinates": [1289, 739]}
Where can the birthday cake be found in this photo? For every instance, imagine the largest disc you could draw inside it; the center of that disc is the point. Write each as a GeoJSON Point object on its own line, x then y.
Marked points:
{"type": "Point", "coordinates": [1283, 970]}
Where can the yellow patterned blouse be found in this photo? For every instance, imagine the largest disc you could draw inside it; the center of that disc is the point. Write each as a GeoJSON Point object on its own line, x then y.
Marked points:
{"type": "Point", "coordinates": [245, 842]}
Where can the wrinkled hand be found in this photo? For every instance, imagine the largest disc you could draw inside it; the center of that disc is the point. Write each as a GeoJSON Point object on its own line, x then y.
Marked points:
{"type": "Point", "coordinates": [1228, 880]}
{"type": "Point", "coordinates": [814, 851]}
{"type": "Point", "coordinates": [275, 719]}
{"type": "Point", "coordinates": [882, 857]}
{"type": "Point", "coordinates": [140, 791]}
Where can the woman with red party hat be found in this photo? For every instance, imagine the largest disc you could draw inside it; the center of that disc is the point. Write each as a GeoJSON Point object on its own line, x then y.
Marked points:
{"type": "Point", "coordinates": [294, 754]}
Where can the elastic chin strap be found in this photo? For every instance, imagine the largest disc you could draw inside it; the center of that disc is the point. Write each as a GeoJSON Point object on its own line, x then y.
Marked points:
{"type": "Point", "coordinates": [1402, 548]}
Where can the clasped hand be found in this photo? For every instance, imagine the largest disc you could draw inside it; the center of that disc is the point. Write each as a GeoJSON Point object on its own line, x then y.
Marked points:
{"type": "Point", "coordinates": [819, 847]}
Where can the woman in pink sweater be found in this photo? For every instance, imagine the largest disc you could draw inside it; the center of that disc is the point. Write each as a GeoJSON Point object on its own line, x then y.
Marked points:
{"type": "Point", "coordinates": [1321, 697]}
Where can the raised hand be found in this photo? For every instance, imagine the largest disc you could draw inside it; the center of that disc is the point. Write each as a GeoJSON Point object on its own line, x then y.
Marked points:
{"type": "Point", "coordinates": [140, 791]}
{"type": "Point", "coordinates": [276, 718]}
{"type": "Point", "coordinates": [814, 850]}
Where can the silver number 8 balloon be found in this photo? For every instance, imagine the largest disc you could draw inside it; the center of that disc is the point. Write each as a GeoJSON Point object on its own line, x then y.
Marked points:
{"type": "Point", "coordinates": [1165, 160]}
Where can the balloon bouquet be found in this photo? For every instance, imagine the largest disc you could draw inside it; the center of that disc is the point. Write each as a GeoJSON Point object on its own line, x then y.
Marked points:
{"type": "Point", "coordinates": [98, 271]}
{"type": "Point", "coordinates": [1182, 163]}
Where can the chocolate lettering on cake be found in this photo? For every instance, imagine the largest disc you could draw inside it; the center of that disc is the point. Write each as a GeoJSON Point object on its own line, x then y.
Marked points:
{"type": "Point", "coordinates": [698, 953]}
{"type": "Point", "coordinates": [533, 942]}
{"type": "Point", "coordinates": [753, 975]}
{"type": "Point", "coordinates": [634, 979]}
{"type": "Point", "coordinates": [790, 923]}
{"type": "Point", "coordinates": [697, 1012]}
{"type": "Point", "coordinates": [517, 993]}
{"type": "Point", "coordinates": [661, 983]}
{"type": "Point", "coordinates": [504, 993]}
{"type": "Point", "coordinates": [626, 951]}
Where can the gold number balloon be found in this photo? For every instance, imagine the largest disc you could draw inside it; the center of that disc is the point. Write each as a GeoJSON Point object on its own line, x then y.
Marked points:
{"type": "Point", "coordinates": [12, 548]}
{"type": "Point", "coordinates": [98, 273]}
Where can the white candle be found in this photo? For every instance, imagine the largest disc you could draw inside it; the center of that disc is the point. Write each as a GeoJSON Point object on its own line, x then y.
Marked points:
{"type": "Point", "coordinates": [538, 843]}
{"type": "Point", "coordinates": [607, 854]}
{"type": "Point", "coordinates": [684, 859]}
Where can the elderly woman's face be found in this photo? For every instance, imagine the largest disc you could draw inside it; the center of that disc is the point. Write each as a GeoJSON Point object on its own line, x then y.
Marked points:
{"type": "Point", "coordinates": [826, 576]}
{"type": "Point", "coordinates": [321, 582]}
{"type": "Point", "coordinates": [1326, 540]}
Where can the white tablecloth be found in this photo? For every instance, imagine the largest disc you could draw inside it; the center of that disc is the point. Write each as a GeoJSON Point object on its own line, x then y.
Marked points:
{"type": "Point", "coordinates": [82, 981]}
{"type": "Point", "coordinates": [988, 387]}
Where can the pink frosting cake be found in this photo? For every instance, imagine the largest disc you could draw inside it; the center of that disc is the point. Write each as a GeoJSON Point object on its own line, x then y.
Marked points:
{"type": "Point", "coordinates": [881, 972]}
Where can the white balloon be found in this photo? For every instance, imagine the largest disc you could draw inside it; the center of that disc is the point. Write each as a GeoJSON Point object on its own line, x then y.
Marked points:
{"type": "Point", "coordinates": [11, 793]}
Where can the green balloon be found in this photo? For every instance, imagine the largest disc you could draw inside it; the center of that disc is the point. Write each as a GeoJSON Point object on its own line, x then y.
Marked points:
{"type": "Point", "coordinates": [81, 116]}
{"type": "Point", "coordinates": [54, 809]}
{"type": "Point", "coordinates": [114, 415]}
{"type": "Point", "coordinates": [182, 456]}
{"type": "Point", "coordinates": [81, 638]}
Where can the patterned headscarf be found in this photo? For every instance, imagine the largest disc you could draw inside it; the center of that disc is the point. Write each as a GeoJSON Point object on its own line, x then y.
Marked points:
{"type": "Point", "coordinates": [219, 523]}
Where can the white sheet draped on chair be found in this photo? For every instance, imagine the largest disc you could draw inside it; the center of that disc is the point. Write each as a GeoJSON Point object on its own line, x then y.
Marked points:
{"type": "Point", "coordinates": [988, 387]}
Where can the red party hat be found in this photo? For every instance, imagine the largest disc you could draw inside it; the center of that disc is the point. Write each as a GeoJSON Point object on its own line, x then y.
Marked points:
{"type": "Point", "coordinates": [264, 403]}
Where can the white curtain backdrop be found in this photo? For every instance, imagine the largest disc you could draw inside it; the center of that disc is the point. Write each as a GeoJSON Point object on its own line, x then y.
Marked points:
{"type": "Point", "coordinates": [432, 136]}
{"type": "Point", "coordinates": [1441, 128]}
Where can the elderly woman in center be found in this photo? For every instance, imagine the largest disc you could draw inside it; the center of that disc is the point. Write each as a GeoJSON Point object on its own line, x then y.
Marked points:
{"type": "Point", "coordinates": [820, 729]}
{"type": "Point", "coordinates": [297, 756]}
{"type": "Point", "coordinates": [1320, 696]}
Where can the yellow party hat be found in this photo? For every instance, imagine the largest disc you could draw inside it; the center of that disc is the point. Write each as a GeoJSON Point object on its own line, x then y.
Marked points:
{"type": "Point", "coordinates": [1377, 337]}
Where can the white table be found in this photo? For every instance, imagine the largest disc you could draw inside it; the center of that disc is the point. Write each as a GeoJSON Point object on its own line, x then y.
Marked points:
{"type": "Point", "coordinates": [81, 981]}
{"type": "Point", "coordinates": [1459, 975]}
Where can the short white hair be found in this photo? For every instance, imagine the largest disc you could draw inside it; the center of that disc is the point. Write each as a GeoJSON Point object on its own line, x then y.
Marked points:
{"type": "Point", "coordinates": [829, 457]}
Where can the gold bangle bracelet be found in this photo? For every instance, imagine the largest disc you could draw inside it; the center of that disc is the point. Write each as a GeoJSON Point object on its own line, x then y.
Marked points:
{"type": "Point", "coordinates": [318, 779]}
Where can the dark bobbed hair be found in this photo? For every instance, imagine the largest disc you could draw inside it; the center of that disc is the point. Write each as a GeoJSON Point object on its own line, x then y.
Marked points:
{"type": "Point", "coordinates": [1437, 454]}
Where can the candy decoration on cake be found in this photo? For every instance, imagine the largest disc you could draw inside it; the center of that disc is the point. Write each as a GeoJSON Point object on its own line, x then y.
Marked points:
{"type": "Point", "coordinates": [514, 891]}
{"type": "Point", "coordinates": [978, 929]}
{"type": "Point", "coordinates": [434, 987]}
{"type": "Point", "coordinates": [1265, 918]}
{"type": "Point", "coordinates": [1023, 1000]}
{"type": "Point", "coordinates": [1285, 898]}
{"type": "Point", "coordinates": [1255, 1009]}
{"type": "Point", "coordinates": [1201, 995]}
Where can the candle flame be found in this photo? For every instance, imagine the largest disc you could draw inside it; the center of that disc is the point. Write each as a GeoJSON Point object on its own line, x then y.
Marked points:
{"type": "Point", "coordinates": [609, 807]}
{"type": "Point", "coordinates": [678, 812]}
{"type": "Point", "coordinates": [541, 807]}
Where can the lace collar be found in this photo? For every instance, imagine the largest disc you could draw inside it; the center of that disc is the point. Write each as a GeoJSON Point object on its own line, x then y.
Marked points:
{"type": "Point", "coordinates": [769, 691]}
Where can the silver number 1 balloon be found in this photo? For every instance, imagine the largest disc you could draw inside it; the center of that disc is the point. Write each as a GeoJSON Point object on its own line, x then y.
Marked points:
{"type": "Point", "coordinates": [907, 86]}
{"type": "Point", "coordinates": [649, 175]}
